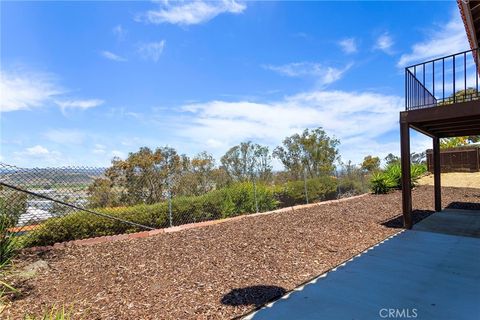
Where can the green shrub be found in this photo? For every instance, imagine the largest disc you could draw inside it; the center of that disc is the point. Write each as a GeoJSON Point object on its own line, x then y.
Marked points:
{"type": "Point", "coordinates": [351, 185]}
{"type": "Point", "coordinates": [391, 177]}
{"type": "Point", "coordinates": [318, 189]}
{"type": "Point", "coordinates": [380, 183]}
{"type": "Point", "coordinates": [234, 200]}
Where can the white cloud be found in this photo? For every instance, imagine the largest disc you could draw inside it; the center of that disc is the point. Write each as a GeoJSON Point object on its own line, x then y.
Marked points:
{"type": "Point", "coordinates": [324, 74]}
{"type": "Point", "coordinates": [348, 45]}
{"type": "Point", "coordinates": [442, 40]}
{"type": "Point", "coordinates": [26, 90]}
{"type": "Point", "coordinates": [384, 43]}
{"type": "Point", "coordinates": [350, 116]}
{"type": "Point", "coordinates": [152, 50]}
{"type": "Point", "coordinates": [65, 136]}
{"type": "Point", "coordinates": [40, 154]}
{"type": "Point", "coordinates": [36, 150]}
{"type": "Point", "coordinates": [112, 56]}
{"type": "Point", "coordinates": [99, 149]}
{"type": "Point", "coordinates": [78, 104]}
{"type": "Point", "coordinates": [190, 12]}
{"type": "Point", "coordinates": [119, 32]}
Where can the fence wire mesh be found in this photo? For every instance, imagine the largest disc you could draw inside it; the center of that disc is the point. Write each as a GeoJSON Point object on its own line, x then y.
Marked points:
{"type": "Point", "coordinates": [42, 206]}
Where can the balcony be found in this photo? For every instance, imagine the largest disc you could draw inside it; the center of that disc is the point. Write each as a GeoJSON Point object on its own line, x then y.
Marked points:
{"type": "Point", "coordinates": [443, 81]}
{"type": "Point", "coordinates": [441, 100]}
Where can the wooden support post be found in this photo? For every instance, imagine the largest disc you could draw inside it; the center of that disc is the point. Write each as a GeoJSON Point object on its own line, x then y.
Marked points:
{"type": "Point", "coordinates": [436, 174]}
{"type": "Point", "coordinates": [406, 184]}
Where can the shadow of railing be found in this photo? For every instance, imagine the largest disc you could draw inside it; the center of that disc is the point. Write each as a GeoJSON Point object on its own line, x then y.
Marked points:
{"type": "Point", "coordinates": [253, 295]}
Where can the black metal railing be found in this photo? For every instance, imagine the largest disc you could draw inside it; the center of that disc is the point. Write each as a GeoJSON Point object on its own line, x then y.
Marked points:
{"type": "Point", "coordinates": [442, 81]}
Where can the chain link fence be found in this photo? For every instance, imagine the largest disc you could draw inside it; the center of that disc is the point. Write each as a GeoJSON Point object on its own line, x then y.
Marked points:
{"type": "Point", "coordinates": [42, 206]}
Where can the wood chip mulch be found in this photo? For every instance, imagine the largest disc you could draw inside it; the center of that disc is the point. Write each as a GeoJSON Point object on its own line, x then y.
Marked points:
{"type": "Point", "coordinates": [215, 272]}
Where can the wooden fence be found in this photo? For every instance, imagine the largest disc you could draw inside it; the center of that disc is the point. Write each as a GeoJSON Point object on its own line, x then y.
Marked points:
{"type": "Point", "coordinates": [464, 159]}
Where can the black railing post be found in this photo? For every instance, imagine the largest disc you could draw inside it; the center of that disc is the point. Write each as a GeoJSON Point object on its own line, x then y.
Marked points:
{"type": "Point", "coordinates": [465, 76]}
{"type": "Point", "coordinates": [454, 98]}
{"type": "Point", "coordinates": [443, 79]}
{"type": "Point", "coordinates": [423, 74]}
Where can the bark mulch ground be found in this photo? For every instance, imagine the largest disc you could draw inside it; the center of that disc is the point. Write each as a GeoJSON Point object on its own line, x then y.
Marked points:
{"type": "Point", "coordinates": [215, 272]}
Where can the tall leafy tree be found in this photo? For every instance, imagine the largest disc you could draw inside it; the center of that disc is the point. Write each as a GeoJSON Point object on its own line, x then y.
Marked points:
{"type": "Point", "coordinates": [147, 176]}
{"type": "Point", "coordinates": [247, 161]}
{"type": "Point", "coordinates": [200, 176]}
{"type": "Point", "coordinates": [313, 152]}
{"type": "Point", "coordinates": [371, 164]}
{"type": "Point", "coordinates": [391, 159]}
{"type": "Point", "coordinates": [458, 141]}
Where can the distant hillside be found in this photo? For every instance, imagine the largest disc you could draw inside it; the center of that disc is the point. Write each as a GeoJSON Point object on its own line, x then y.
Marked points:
{"type": "Point", "coordinates": [50, 177]}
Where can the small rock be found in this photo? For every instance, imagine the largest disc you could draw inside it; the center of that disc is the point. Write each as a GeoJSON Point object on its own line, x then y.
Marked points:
{"type": "Point", "coordinates": [32, 269]}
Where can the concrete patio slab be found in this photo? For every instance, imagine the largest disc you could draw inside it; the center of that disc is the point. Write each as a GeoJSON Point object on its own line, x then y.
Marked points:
{"type": "Point", "coordinates": [431, 272]}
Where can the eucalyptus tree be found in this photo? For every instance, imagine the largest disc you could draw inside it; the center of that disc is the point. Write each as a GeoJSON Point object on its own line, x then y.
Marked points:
{"type": "Point", "coordinates": [311, 153]}
{"type": "Point", "coordinates": [308, 155]}
{"type": "Point", "coordinates": [248, 162]}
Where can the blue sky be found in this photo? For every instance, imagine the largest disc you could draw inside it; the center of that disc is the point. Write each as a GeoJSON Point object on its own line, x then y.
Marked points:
{"type": "Point", "coordinates": [82, 82]}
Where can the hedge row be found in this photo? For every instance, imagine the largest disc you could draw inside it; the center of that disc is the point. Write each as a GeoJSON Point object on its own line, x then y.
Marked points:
{"type": "Point", "coordinates": [234, 200]}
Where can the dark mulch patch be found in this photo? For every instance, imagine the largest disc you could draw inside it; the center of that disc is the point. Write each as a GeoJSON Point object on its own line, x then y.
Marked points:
{"type": "Point", "coordinates": [220, 271]}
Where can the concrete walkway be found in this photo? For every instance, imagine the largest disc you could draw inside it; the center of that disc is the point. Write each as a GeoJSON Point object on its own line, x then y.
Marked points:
{"type": "Point", "coordinates": [430, 272]}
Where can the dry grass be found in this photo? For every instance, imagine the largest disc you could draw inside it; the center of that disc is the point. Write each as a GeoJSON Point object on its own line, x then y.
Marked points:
{"type": "Point", "coordinates": [455, 179]}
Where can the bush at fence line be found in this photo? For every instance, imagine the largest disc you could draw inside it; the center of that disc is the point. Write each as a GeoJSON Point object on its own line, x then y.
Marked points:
{"type": "Point", "coordinates": [391, 177]}
{"type": "Point", "coordinates": [351, 185]}
{"type": "Point", "coordinates": [318, 189]}
{"type": "Point", "coordinates": [12, 205]}
{"type": "Point", "coordinates": [234, 200]}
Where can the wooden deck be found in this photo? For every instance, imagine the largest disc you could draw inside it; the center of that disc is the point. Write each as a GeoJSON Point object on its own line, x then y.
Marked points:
{"type": "Point", "coordinates": [429, 272]}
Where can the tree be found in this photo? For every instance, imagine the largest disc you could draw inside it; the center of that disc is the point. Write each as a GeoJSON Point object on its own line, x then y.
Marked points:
{"type": "Point", "coordinates": [146, 176]}
{"type": "Point", "coordinates": [312, 153]}
{"type": "Point", "coordinates": [101, 194]}
{"type": "Point", "coordinates": [458, 141]}
{"type": "Point", "coordinates": [391, 159]}
{"type": "Point", "coordinates": [418, 158]}
{"type": "Point", "coordinates": [200, 176]}
{"type": "Point", "coordinates": [247, 161]}
{"type": "Point", "coordinates": [371, 164]}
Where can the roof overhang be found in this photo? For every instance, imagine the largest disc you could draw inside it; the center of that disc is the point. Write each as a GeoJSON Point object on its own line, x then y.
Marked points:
{"type": "Point", "coordinates": [470, 11]}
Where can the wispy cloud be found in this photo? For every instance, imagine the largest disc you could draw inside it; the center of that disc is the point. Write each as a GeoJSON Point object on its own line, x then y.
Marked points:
{"type": "Point", "coordinates": [151, 50]}
{"type": "Point", "coordinates": [99, 149]}
{"type": "Point", "coordinates": [348, 45]}
{"type": "Point", "coordinates": [112, 56]}
{"type": "Point", "coordinates": [190, 12]}
{"type": "Point", "coordinates": [443, 39]}
{"type": "Point", "coordinates": [119, 32]}
{"type": "Point", "coordinates": [384, 43]}
{"type": "Point", "coordinates": [26, 90]}
{"type": "Point", "coordinates": [323, 74]}
{"type": "Point", "coordinates": [350, 116]}
{"type": "Point", "coordinates": [78, 104]}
